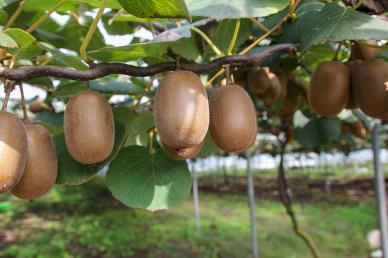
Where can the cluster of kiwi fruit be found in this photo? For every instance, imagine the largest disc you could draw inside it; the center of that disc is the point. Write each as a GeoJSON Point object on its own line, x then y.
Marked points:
{"type": "Point", "coordinates": [184, 114]}
{"type": "Point", "coordinates": [28, 160]}
{"type": "Point", "coordinates": [268, 84]}
{"type": "Point", "coordinates": [362, 82]}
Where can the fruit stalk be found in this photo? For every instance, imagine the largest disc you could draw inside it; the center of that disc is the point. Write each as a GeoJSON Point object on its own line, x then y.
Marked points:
{"type": "Point", "coordinates": [25, 116]}
{"type": "Point", "coordinates": [9, 88]}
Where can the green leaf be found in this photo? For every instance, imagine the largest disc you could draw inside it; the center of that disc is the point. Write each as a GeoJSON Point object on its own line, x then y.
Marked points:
{"type": "Point", "coordinates": [333, 23]}
{"type": "Point", "coordinates": [225, 31]}
{"type": "Point", "coordinates": [221, 9]}
{"type": "Point", "coordinates": [131, 52]}
{"type": "Point", "coordinates": [27, 46]}
{"type": "Point", "coordinates": [71, 172]}
{"type": "Point", "coordinates": [209, 147]}
{"type": "Point", "coordinates": [7, 41]}
{"type": "Point", "coordinates": [115, 27]}
{"type": "Point", "coordinates": [75, 34]}
{"type": "Point", "coordinates": [135, 123]}
{"type": "Point", "coordinates": [103, 85]}
{"type": "Point", "coordinates": [45, 5]}
{"type": "Point", "coordinates": [116, 87]}
{"type": "Point", "coordinates": [3, 16]}
{"type": "Point", "coordinates": [318, 131]}
{"type": "Point", "coordinates": [42, 82]}
{"type": "Point", "coordinates": [156, 8]}
{"type": "Point", "coordinates": [150, 181]}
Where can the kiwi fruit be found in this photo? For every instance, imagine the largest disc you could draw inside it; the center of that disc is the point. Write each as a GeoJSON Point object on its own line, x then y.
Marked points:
{"type": "Point", "coordinates": [181, 154]}
{"type": "Point", "coordinates": [233, 121]}
{"type": "Point", "coordinates": [283, 78]}
{"type": "Point", "coordinates": [38, 106]}
{"type": "Point", "coordinates": [328, 92]}
{"type": "Point", "coordinates": [40, 172]}
{"type": "Point", "coordinates": [258, 80]}
{"type": "Point", "coordinates": [181, 110]}
{"type": "Point", "coordinates": [370, 82]}
{"type": "Point", "coordinates": [359, 129]}
{"type": "Point", "coordinates": [361, 50]}
{"type": "Point", "coordinates": [291, 101]}
{"type": "Point", "coordinates": [352, 65]}
{"type": "Point", "coordinates": [274, 91]}
{"type": "Point", "coordinates": [13, 151]}
{"type": "Point", "coordinates": [89, 127]}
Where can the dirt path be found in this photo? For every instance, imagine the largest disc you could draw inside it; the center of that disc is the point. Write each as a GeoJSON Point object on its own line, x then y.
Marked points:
{"type": "Point", "coordinates": [344, 190]}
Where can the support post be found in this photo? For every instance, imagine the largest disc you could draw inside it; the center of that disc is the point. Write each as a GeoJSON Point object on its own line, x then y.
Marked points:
{"type": "Point", "coordinates": [251, 204]}
{"type": "Point", "coordinates": [197, 215]}
{"type": "Point", "coordinates": [380, 191]}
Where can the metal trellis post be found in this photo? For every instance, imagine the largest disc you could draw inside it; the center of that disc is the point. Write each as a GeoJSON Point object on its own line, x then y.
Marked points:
{"type": "Point", "coordinates": [251, 204]}
{"type": "Point", "coordinates": [380, 191]}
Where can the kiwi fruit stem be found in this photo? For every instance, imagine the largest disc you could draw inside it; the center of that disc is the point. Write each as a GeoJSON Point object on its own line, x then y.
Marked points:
{"type": "Point", "coordinates": [6, 98]}
{"type": "Point", "coordinates": [25, 115]}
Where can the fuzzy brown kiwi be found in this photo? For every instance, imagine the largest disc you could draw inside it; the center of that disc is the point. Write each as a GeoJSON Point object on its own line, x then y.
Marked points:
{"type": "Point", "coordinates": [274, 91]}
{"type": "Point", "coordinates": [258, 80]}
{"type": "Point", "coordinates": [38, 106]}
{"type": "Point", "coordinates": [291, 101]}
{"type": "Point", "coordinates": [283, 78]}
{"type": "Point", "coordinates": [328, 92]}
{"type": "Point", "coordinates": [40, 172]}
{"type": "Point", "coordinates": [89, 127]}
{"type": "Point", "coordinates": [13, 151]}
{"type": "Point", "coordinates": [181, 110]}
{"type": "Point", "coordinates": [181, 154]}
{"type": "Point", "coordinates": [359, 129]}
{"type": "Point", "coordinates": [233, 121]}
{"type": "Point", "coordinates": [361, 50]}
{"type": "Point", "coordinates": [352, 65]}
{"type": "Point", "coordinates": [371, 88]}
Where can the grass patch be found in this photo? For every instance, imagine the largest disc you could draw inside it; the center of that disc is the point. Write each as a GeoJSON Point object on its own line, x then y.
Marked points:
{"type": "Point", "coordinates": [85, 221]}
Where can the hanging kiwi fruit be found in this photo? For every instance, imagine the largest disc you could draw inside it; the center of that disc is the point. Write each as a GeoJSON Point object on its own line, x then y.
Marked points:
{"type": "Point", "coordinates": [364, 49]}
{"type": "Point", "coordinates": [274, 92]}
{"type": "Point", "coordinates": [89, 127]}
{"type": "Point", "coordinates": [328, 91]}
{"type": "Point", "coordinates": [370, 82]}
{"type": "Point", "coordinates": [13, 150]}
{"type": "Point", "coordinates": [13, 146]}
{"type": "Point", "coordinates": [233, 121]}
{"type": "Point", "coordinates": [181, 110]}
{"type": "Point", "coordinates": [283, 78]}
{"type": "Point", "coordinates": [40, 172]}
{"type": "Point", "coordinates": [258, 79]}
{"type": "Point", "coordinates": [352, 65]}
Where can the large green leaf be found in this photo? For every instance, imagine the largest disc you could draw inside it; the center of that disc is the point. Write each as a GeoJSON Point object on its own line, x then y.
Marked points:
{"type": "Point", "coordinates": [335, 23]}
{"type": "Point", "coordinates": [156, 8]}
{"type": "Point", "coordinates": [150, 181]}
{"type": "Point", "coordinates": [221, 9]}
{"type": "Point", "coordinates": [131, 52]}
{"type": "Point", "coordinates": [73, 173]}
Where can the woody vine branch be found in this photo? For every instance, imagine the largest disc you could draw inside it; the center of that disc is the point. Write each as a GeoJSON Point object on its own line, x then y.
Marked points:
{"type": "Point", "coordinates": [103, 69]}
